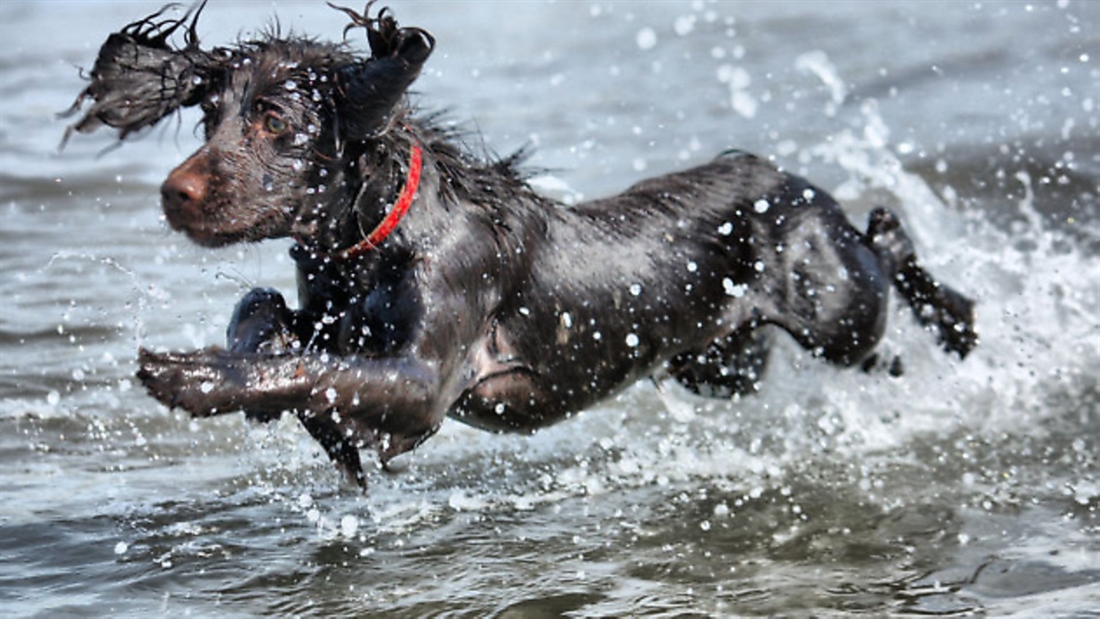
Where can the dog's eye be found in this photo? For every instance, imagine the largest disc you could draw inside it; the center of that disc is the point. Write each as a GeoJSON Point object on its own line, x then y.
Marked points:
{"type": "Point", "coordinates": [274, 124]}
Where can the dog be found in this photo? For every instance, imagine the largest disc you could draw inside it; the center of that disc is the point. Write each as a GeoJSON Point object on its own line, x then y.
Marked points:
{"type": "Point", "coordinates": [434, 283]}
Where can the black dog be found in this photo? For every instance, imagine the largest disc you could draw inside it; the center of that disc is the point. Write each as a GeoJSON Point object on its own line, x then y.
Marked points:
{"type": "Point", "coordinates": [434, 284]}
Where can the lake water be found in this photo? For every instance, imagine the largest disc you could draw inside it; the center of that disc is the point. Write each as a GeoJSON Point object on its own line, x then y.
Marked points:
{"type": "Point", "coordinates": [960, 489]}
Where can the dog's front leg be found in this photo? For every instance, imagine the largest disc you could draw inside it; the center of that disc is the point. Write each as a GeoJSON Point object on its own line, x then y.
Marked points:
{"type": "Point", "coordinates": [262, 322]}
{"type": "Point", "coordinates": [390, 404]}
{"type": "Point", "coordinates": [212, 380]}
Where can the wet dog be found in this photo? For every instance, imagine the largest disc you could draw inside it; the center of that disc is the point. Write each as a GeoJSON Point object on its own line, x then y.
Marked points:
{"type": "Point", "coordinates": [436, 284]}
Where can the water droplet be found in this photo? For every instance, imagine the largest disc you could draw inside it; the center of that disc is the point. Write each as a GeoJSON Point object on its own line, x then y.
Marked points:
{"type": "Point", "coordinates": [684, 25]}
{"type": "Point", "coordinates": [732, 289]}
{"type": "Point", "coordinates": [349, 525]}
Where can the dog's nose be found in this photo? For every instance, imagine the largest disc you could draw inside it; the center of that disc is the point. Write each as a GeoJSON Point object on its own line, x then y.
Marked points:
{"type": "Point", "coordinates": [183, 190]}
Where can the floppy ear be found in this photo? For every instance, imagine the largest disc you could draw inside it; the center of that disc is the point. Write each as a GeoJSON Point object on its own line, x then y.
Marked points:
{"type": "Point", "coordinates": [139, 78]}
{"type": "Point", "coordinates": [368, 91]}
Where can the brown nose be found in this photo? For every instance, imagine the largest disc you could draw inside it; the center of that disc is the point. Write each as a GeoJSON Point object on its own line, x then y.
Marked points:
{"type": "Point", "coordinates": [184, 192]}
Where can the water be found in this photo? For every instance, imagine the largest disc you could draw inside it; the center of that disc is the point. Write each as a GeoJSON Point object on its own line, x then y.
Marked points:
{"type": "Point", "coordinates": [961, 488]}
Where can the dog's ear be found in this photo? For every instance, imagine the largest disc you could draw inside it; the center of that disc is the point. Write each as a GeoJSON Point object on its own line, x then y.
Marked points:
{"type": "Point", "coordinates": [139, 78]}
{"type": "Point", "coordinates": [368, 91]}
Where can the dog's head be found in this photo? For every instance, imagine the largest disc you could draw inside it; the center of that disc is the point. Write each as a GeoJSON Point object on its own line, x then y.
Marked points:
{"type": "Point", "coordinates": [278, 114]}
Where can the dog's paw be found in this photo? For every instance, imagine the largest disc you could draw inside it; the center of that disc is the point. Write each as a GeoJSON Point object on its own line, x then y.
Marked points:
{"type": "Point", "coordinates": [202, 382]}
{"type": "Point", "coordinates": [261, 324]}
{"type": "Point", "coordinates": [957, 325]}
{"type": "Point", "coordinates": [890, 364]}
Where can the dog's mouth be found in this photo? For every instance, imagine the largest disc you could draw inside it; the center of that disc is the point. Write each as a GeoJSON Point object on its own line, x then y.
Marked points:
{"type": "Point", "coordinates": [212, 240]}
{"type": "Point", "coordinates": [204, 235]}
{"type": "Point", "coordinates": [210, 231]}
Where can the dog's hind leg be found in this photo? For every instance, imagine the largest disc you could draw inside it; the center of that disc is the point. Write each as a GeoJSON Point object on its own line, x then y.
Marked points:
{"type": "Point", "coordinates": [828, 285]}
{"type": "Point", "coordinates": [933, 303]}
{"type": "Point", "coordinates": [825, 286]}
{"type": "Point", "coordinates": [730, 365]}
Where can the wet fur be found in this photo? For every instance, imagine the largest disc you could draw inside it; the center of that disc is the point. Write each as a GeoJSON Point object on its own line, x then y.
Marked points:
{"type": "Point", "coordinates": [489, 303]}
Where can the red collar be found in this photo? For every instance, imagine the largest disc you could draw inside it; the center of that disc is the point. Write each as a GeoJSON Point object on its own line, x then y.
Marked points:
{"type": "Point", "coordinates": [389, 223]}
